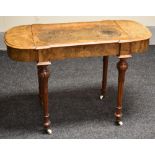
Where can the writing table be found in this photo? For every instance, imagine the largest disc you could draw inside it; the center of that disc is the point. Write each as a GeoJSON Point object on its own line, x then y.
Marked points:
{"type": "Point", "coordinates": [43, 43]}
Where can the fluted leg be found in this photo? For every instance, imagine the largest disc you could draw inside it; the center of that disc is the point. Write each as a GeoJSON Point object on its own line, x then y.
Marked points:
{"type": "Point", "coordinates": [122, 67]}
{"type": "Point", "coordinates": [104, 77]}
{"type": "Point", "coordinates": [43, 75]}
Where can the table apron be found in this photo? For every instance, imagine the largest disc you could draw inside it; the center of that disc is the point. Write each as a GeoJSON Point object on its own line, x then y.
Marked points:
{"type": "Point", "coordinates": [58, 53]}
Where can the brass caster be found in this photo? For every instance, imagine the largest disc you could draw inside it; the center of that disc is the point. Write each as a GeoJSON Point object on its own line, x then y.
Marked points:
{"type": "Point", "coordinates": [49, 131]}
{"type": "Point", "coordinates": [101, 97]}
{"type": "Point", "coordinates": [119, 123]}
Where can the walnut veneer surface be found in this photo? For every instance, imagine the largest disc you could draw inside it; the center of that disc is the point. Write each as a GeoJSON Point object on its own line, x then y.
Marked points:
{"type": "Point", "coordinates": [46, 42]}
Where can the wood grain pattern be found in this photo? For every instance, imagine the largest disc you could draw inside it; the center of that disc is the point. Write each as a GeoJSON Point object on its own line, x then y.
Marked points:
{"type": "Point", "coordinates": [46, 42]}
{"type": "Point", "coordinates": [62, 35]}
{"type": "Point", "coordinates": [20, 37]}
{"type": "Point", "coordinates": [134, 30]}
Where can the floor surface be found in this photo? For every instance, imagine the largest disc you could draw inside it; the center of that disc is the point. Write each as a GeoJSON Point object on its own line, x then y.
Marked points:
{"type": "Point", "coordinates": [74, 105]}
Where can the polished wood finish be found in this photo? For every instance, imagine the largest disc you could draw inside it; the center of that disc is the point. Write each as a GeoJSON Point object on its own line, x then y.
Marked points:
{"type": "Point", "coordinates": [39, 78]}
{"type": "Point", "coordinates": [43, 75]}
{"type": "Point", "coordinates": [122, 66]}
{"type": "Point", "coordinates": [43, 43]}
{"type": "Point", "coordinates": [46, 42]}
{"type": "Point", "coordinates": [39, 83]}
{"type": "Point", "coordinates": [104, 76]}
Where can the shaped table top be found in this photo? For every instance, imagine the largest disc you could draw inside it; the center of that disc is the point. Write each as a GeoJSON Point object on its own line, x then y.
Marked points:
{"type": "Point", "coordinates": [44, 36]}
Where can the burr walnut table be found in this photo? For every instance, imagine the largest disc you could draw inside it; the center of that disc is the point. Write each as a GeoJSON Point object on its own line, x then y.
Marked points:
{"type": "Point", "coordinates": [43, 43]}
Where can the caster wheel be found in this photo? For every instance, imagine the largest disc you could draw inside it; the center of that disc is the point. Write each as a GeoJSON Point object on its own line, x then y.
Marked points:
{"type": "Point", "coordinates": [101, 97]}
{"type": "Point", "coordinates": [119, 123]}
{"type": "Point", "coordinates": [49, 131]}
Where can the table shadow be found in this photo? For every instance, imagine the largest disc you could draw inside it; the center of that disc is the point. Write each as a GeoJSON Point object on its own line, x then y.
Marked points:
{"type": "Point", "coordinates": [23, 111]}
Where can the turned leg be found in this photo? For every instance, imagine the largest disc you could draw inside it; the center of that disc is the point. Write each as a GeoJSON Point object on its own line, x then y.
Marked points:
{"type": "Point", "coordinates": [39, 83]}
{"type": "Point", "coordinates": [104, 77]}
{"type": "Point", "coordinates": [122, 67]}
{"type": "Point", "coordinates": [43, 75]}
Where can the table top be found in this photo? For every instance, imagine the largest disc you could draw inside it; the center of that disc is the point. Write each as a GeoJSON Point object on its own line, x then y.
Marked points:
{"type": "Point", "coordinates": [44, 36]}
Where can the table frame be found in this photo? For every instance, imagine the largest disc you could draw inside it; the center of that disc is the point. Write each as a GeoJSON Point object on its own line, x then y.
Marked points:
{"type": "Point", "coordinates": [35, 43]}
